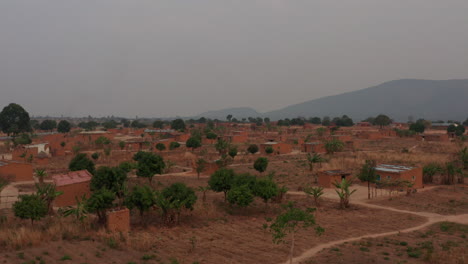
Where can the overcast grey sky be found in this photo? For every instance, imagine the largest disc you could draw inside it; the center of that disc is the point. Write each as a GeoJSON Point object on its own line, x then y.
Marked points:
{"type": "Point", "coordinates": [159, 58]}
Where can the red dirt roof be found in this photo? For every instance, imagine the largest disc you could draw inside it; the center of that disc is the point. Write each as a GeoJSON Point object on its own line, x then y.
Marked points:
{"type": "Point", "coordinates": [71, 177]}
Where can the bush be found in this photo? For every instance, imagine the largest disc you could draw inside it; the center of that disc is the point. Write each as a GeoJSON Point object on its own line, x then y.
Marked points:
{"type": "Point", "coordinates": [174, 145]}
{"type": "Point", "coordinates": [240, 196]}
{"type": "Point", "coordinates": [252, 149]}
{"type": "Point", "coordinates": [30, 207]}
{"type": "Point", "coordinates": [81, 162]}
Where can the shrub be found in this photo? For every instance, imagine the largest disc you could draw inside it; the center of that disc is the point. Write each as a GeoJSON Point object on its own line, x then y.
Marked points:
{"type": "Point", "coordinates": [30, 207]}
{"type": "Point", "coordinates": [240, 196]}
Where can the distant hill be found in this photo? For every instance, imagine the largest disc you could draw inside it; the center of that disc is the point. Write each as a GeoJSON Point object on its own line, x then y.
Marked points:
{"type": "Point", "coordinates": [239, 113]}
{"type": "Point", "coordinates": [399, 99]}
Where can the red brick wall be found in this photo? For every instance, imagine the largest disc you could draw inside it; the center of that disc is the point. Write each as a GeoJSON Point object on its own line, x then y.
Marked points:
{"type": "Point", "coordinates": [71, 192]}
{"type": "Point", "coordinates": [118, 221]}
{"type": "Point", "coordinates": [18, 171]}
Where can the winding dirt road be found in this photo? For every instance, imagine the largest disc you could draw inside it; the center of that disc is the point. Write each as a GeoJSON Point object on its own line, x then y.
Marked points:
{"type": "Point", "coordinates": [432, 218]}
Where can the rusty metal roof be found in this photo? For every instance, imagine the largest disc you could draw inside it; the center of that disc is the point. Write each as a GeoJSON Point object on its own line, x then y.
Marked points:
{"type": "Point", "coordinates": [72, 177]}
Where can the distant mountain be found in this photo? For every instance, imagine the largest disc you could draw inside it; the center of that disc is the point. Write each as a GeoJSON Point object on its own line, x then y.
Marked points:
{"type": "Point", "coordinates": [447, 99]}
{"type": "Point", "coordinates": [239, 113]}
{"type": "Point", "coordinates": [399, 99]}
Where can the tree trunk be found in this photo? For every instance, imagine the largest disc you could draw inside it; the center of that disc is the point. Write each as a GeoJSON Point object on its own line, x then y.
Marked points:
{"type": "Point", "coordinates": [291, 254]}
{"type": "Point", "coordinates": [368, 190]}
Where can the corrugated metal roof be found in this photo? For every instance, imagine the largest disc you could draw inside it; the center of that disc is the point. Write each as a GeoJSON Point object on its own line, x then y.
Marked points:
{"type": "Point", "coordinates": [72, 177]}
{"type": "Point", "coordinates": [392, 168]}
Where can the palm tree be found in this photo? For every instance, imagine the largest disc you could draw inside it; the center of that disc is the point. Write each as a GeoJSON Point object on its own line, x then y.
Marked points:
{"type": "Point", "coordinates": [312, 159]}
{"type": "Point", "coordinates": [80, 211]}
{"type": "Point", "coordinates": [48, 194]}
{"type": "Point", "coordinates": [41, 174]}
{"type": "Point", "coordinates": [343, 192]}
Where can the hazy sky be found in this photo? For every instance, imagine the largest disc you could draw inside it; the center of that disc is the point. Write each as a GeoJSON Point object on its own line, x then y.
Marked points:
{"type": "Point", "coordinates": [160, 58]}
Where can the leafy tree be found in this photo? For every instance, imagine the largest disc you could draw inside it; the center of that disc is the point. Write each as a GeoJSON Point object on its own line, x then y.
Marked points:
{"type": "Point", "coordinates": [95, 156]}
{"type": "Point", "coordinates": [142, 197]}
{"type": "Point", "coordinates": [101, 141]}
{"type": "Point", "coordinates": [160, 146]}
{"type": "Point", "coordinates": [63, 126]}
{"type": "Point", "coordinates": [312, 160]}
{"type": "Point", "coordinates": [48, 194]}
{"type": "Point", "coordinates": [30, 207]}
{"type": "Point", "coordinates": [127, 166]}
{"type": "Point", "coordinates": [138, 124]}
{"type": "Point", "coordinates": [110, 124]}
{"type": "Point", "coordinates": [343, 192]}
{"type": "Point", "coordinates": [269, 150]}
{"type": "Point", "coordinates": [48, 125]}
{"type": "Point", "coordinates": [315, 120]}
{"type": "Point", "coordinates": [99, 202]}
{"type": "Point", "coordinates": [261, 164]}
{"type": "Point", "coordinates": [174, 199]}
{"type": "Point", "coordinates": [463, 157]}
{"type": "Point", "coordinates": [158, 124]}
{"type": "Point", "coordinates": [80, 211]}
{"type": "Point", "coordinates": [417, 127]}
{"type": "Point", "coordinates": [290, 222]}
{"type": "Point", "coordinates": [240, 195]}
{"type": "Point", "coordinates": [148, 164]}
{"type": "Point", "coordinates": [459, 130]}
{"type": "Point", "coordinates": [22, 139]}
{"type": "Point", "coordinates": [430, 170]}
{"type": "Point", "coordinates": [382, 120]}
{"type": "Point", "coordinates": [326, 121]}
{"type": "Point", "coordinates": [368, 174]}
{"type": "Point", "coordinates": [315, 192]}
{"type": "Point", "coordinates": [200, 166]}
{"type": "Point", "coordinates": [178, 124]}
{"type": "Point", "coordinates": [41, 174]}
{"type": "Point", "coordinates": [229, 118]}
{"type": "Point", "coordinates": [232, 151]}
{"type": "Point", "coordinates": [125, 123]}
{"type": "Point", "coordinates": [450, 171]}
{"type": "Point", "coordinates": [203, 189]}
{"type": "Point", "coordinates": [221, 181]}
{"type": "Point", "coordinates": [81, 162]}
{"type": "Point", "coordinates": [252, 149]}
{"type": "Point", "coordinates": [222, 146]}
{"type": "Point", "coordinates": [343, 121]}
{"type": "Point", "coordinates": [334, 145]}
{"type": "Point", "coordinates": [211, 135]}
{"type": "Point", "coordinates": [193, 143]}
{"type": "Point", "coordinates": [110, 178]}
{"type": "Point", "coordinates": [174, 145]}
{"type": "Point", "coordinates": [320, 131]}
{"type": "Point", "coordinates": [14, 120]}
{"type": "Point", "coordinates": [266, 189]}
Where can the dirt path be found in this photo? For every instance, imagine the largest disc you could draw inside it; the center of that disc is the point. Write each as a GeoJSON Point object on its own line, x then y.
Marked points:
{"type": "Point", "coordinates": [431, 219]}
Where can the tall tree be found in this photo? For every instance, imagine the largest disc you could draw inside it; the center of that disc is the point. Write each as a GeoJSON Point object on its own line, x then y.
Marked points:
{"type": "Point", "coordinates": [81, 162]}
{"type": "Point", "coordinates": [178, 124]}
{"type": "Point", "coordinates": [382, 120]}
{"type": "Point", "coordinates": [14, 120]}
{"type": "Point", "coordinates": [64, 126]}
{"type": "Point", "coordinates": [368, 174]}
{"type": "Point", "coordinates": [48, 124]}
{"type": "Point", "coordinates": [148, 164]}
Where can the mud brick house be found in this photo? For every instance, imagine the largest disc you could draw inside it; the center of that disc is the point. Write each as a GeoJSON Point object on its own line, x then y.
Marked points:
{"type": "Point", "coordinates": [74, 185]}
{"type": "Point", "coordinates": [16, 171]}
{"type": "Point", "coordinates": [278, 147]}
{"type": "Point", "coordinates": [397, 172]}
{"type": "Point", "coordinates": [314, 147]}
{"type": "Point", "coordinates": [327, 178]}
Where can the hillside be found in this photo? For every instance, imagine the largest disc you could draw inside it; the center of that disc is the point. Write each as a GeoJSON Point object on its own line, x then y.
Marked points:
{"type": "Point", "coordinates": [399, 99]}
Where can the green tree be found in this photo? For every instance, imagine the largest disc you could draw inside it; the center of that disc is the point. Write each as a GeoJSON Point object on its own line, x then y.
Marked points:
{"type": "Point", "coordinates": [312, 160]}
{"type": "Point", "coordinates": [158, 124]}
{"type": "Point", "coordinates": [193, 143]}
{"type": "Point", "coordinates": [174, 145]}
{"type": "Point", "coordinates": [221, 181]}
{"type": "Point", "coordinates": [111, 124]}
{"type": "Point", "coordinates": [417, 127]}
{"type": "Point", "coordinates": [99, 202]}
{"type": "Point", "coordinates": [252, 149]}
{"type": "Point", "coordinates": [290, 222]}
{"type": "Point", "coordinates": [174, 199]}
{"type": "Point", "coordinates": [110, 178]}
{"type": "Point", "coordinates": [95, 156]}
{"type": "Point", "coordinates": [102, 141]}
{"type": "Point", "coordinates": [240, 195]}
{"type": "Point", "coordinates": [142, 197]}
{"type": "Point", "coordinates": [48, 124]}
{"type": "Point", "coordinates": [343, 192]}
{"type": "Point", "coordinates": [430, 170]}
{"type": "Point", "coordinates": [148, 164]}
{"type": "Point", "coordinates": [459, 130]}
{"type": "Point", "coordinates": [22, 139]}
{"type": "Point", "coordinates": [463, 157]}
{"type": "Point", "coordinates": [222, 146]}
{"type": "Point", "coordinates": [229, 118]}
{"type": "Point", "coordinates": [211, 135]}
{"type": "Point", "coordinates": [41, 174]}
{"type": "Point", "coordinates": [81, 162]}
{"type": "Point", "coordinates": [160, 146]}
{"type": "Point", "coordinates": [178, 124]}
{"type": "Point", "coordinates": [14, 120]}
{"type": "Point", "coordinates": [269, 150]}
{"type": "Point", "coordinates": [320, 131]}
{"type": "Point", "coordinates": [30, 207]}
{"type": "Point", "coordinates": [48, 193]}
{"type": "Point", "coordinates": [121, 145]}
{"type": "Point", "coordinates": [63, 126]}
{"type": "Point", "coordinates": [266, 189]}
{"type": "Point", "coordinates": [232, 152]}
{"type": "Point", "coordinates": [200, 167]}
{"type": "Point", "coordinates": [334, 145]}
{"type": "Point", "coordinates": [368, 174]}
{"type": "Point", "coordinates": [80, 211]}
{"type": "Point", "coordinates": [315, 192]}
{"type": "Point", "coordinates": [382, 120]}
{"type": "Point", "coordinates": [261, 164]}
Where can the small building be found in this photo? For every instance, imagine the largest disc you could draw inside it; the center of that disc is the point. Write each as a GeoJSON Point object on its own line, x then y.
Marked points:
{"type": "Point", "coordinates": [278, 148]}
{"type": "Point", "coordinates": [74, 185]}
{"type": "Point", "coordinates": [397, 172]}
{"type": "Point", "coordinates": [327, 178]}
{"type": "Point", "coordinates": [314, 147]}
{"type": "Point", "coordinates": [16, 171]}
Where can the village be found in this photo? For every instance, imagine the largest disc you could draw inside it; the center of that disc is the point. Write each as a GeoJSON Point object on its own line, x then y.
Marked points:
{"type": "Point", "coordinates": [203, 191]}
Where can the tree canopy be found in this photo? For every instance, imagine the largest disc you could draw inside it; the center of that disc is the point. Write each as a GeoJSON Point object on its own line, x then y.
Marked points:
{"type": "Point", "coordinates": [148, 164]}
{"type": "Point", "coordinates": [64, 126]}
{"type": "Point", "coordinates": [14, 120]}
{"type": "Point", "coordinates": [81, 162]}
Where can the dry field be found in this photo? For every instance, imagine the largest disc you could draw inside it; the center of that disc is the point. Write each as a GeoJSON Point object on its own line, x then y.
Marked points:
{"type": "Point", "coordinates": [441, 243]}
{"type": "Point", "coordinates": [445, 200]}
